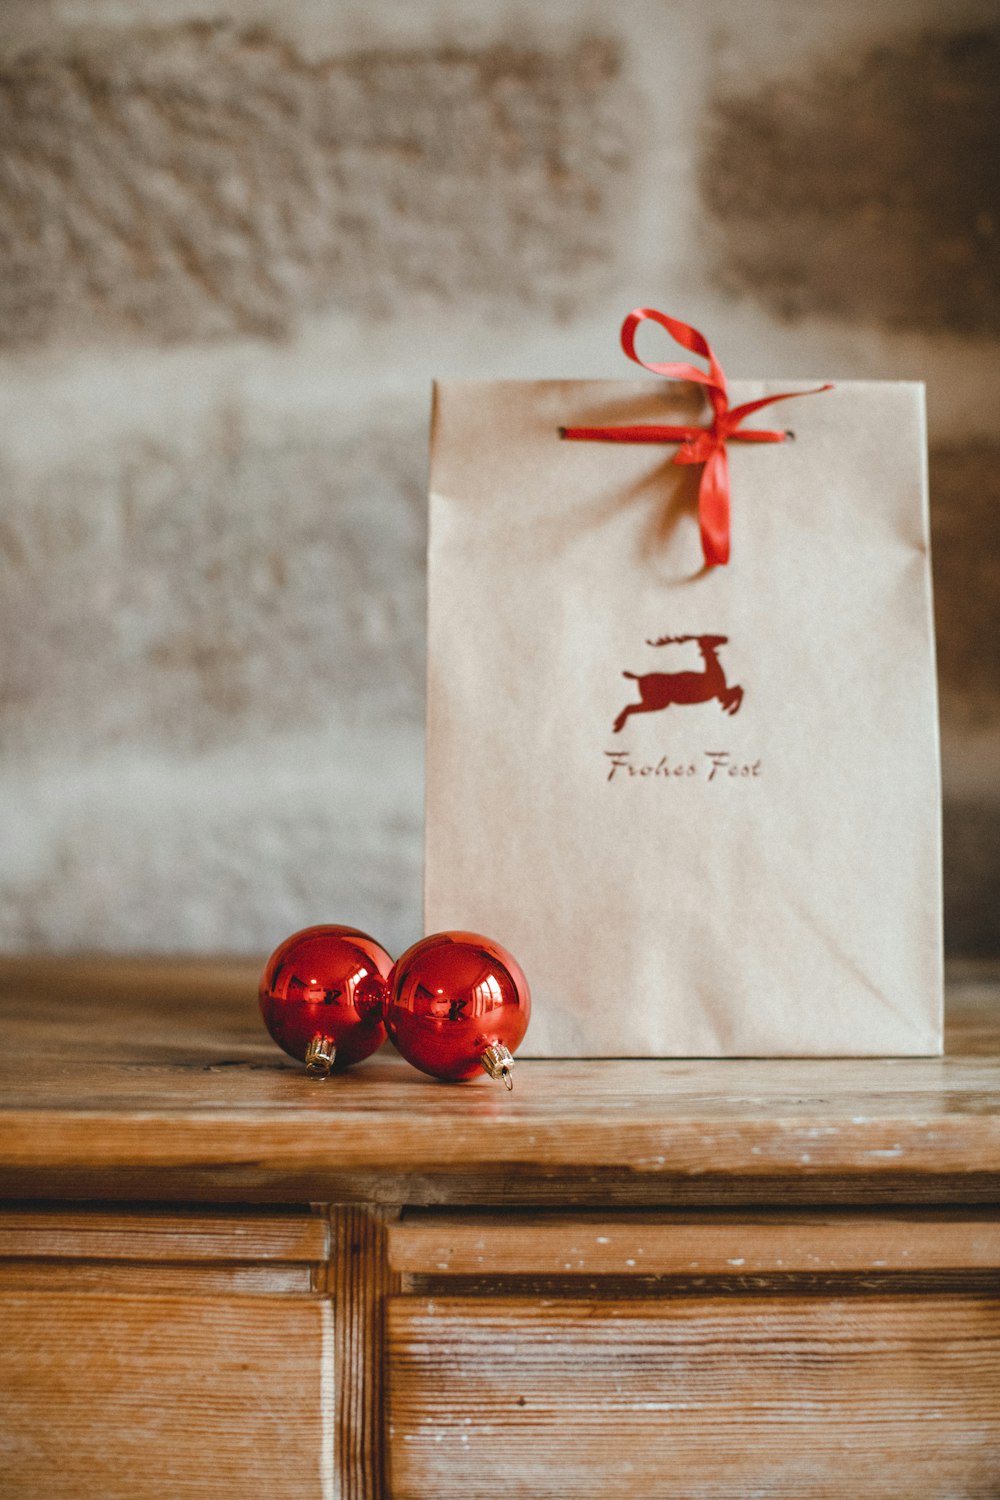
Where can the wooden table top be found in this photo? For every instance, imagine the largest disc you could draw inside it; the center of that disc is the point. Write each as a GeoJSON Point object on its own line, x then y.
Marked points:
{"type": "Point", "coordinates": [132, 1079]}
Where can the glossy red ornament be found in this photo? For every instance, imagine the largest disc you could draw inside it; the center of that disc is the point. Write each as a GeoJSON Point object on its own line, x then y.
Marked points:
{"type": "Point", "coordinates": [323, 995]}
{"type": "Point", "coordinates": [458, 1003]}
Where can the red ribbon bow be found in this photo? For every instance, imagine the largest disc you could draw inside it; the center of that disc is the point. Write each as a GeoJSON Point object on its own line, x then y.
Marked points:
{"type": "Point", "coordinates": [698, 445]}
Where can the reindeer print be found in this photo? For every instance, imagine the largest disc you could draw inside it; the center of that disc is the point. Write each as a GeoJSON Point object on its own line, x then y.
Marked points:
{"type": "Point", "coordinates": [660, 689]}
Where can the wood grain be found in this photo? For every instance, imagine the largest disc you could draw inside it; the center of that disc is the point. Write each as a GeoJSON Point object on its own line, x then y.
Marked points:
{"type": "Point", "coordinates": [128, 1397]}
{"type": "Point", "coordinates": [676, 1244]}
{"type": "Point", "coordinates": [359, 1284]}
{"type": "Point", "coordinates": [165, 1085]}
{"type": "Point", "coordinates": [137, 1235]}
{"type": "Point", "coordinates": [200, 1278]}
{"type": "Point", "coordinates": [893, 1397]}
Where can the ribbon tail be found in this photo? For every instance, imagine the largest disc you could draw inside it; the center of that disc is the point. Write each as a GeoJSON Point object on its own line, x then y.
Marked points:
{"type": "Point", "coordinates": [737, 413]}
{"type": "Point", "coordinates": [713, 509]}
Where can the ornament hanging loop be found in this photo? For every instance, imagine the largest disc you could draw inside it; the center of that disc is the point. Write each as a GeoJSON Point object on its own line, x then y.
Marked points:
{"type": "Point", "coordinates": [497, 1061]}
{"type": "Point", "coordinates": [320, 1056]}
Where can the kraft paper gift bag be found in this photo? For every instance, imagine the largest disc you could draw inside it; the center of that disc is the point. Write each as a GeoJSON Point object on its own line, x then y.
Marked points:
{"type": "Point", "coordinates": [697, 797]}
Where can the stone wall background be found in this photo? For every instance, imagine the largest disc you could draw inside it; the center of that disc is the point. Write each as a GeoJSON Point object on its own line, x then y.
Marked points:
{"type": "Point", "coordinates": [237, 243]}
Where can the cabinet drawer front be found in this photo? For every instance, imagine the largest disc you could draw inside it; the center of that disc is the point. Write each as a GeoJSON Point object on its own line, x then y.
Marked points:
{"type": "Point", "coordinates": [709, 1243]}
{"type": "Point", "coordinates": [141, 1396]}
{"type": "Point", "coordinates": [199, 1250]}
{"type": "Point", "coordinates": [196, 1234]}
{"type": "Point", "coordinates": [778, 1396]}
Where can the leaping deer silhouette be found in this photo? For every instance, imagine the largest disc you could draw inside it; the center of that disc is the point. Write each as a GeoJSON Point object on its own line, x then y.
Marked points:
{"type": "Point", "coordinates": [659, 689]}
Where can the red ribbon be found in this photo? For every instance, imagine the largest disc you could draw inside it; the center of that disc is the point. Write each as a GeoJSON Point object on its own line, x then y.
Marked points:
{"type": "Point", "coordinates": [698, 445]}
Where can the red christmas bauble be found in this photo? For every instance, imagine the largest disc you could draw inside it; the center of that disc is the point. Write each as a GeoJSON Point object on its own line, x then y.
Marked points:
{"type": "Point", "coordinates": [323, 994]}
{"type": "Point", "coordinates": [458, 1003]}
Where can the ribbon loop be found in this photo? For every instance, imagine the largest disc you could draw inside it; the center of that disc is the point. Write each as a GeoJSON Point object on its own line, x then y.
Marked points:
{"type": "Point", "coordinates": [698, 445]}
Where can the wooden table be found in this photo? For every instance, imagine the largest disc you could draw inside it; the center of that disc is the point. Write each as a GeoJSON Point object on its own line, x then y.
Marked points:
{"type": "Point", "coordinates": [220, 1277]}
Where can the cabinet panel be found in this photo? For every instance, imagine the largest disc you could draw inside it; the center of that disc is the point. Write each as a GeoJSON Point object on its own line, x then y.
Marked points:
{"type": "Point", "coordinates": [685, 1243]}
{"type": "Point", "coordinates": [194, 1234]}
{"type": "Point", "coordinates": [707, 1397]}
{"type": "Point", "coordinates": [127, 1397]}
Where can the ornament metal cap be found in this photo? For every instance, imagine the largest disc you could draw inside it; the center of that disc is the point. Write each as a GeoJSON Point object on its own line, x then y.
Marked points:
{"type": "Point", "coordinates": [497, 1061]}
{"type": "Point", "coordinates": [320, 1055]}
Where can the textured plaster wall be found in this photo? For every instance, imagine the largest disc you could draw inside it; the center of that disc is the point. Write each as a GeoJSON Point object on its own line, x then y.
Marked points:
{"type": "Point", "coordinates": [204, 180]}
{"type": "Point", "coordinates": [236, 244]}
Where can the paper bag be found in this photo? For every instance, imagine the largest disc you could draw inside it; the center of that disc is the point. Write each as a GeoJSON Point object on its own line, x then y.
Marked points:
{"type": "Point", "coordinates": [701, 804]}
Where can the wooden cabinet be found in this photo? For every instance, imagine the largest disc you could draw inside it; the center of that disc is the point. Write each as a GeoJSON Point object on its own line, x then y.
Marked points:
{"type": "Point", "coordinates": [221, 1278]}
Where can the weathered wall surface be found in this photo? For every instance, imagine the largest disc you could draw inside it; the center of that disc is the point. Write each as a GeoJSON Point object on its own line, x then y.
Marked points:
{"type": "Point", "coordinates": [237, 242]}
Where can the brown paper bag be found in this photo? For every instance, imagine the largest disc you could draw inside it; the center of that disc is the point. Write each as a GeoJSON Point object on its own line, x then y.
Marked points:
{"type": "Point", "coordinates": [700, 804]}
